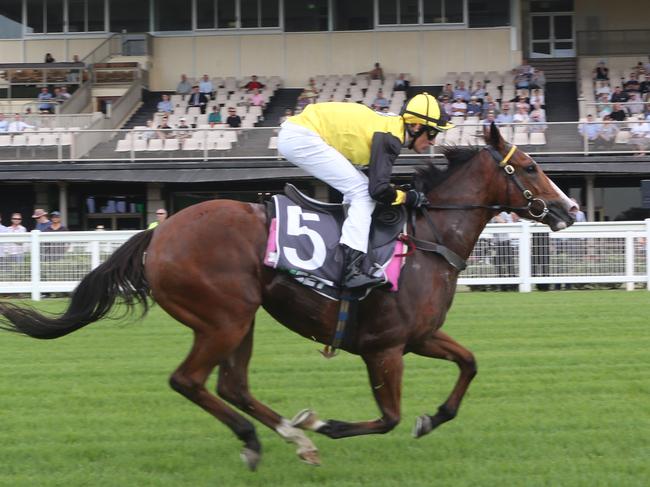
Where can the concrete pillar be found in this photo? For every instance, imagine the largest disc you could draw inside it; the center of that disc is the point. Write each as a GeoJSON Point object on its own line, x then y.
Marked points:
{"type": "Point", "coordinates": [154, 200]}
{"type": "Point", "coordinates": [591, 201]}
{"type": "Point", "coordinates": [63, 201]}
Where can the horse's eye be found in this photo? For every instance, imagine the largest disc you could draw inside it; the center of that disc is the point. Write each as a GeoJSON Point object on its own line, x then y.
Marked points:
{"type": "Point", "coordinates": [531, 168]}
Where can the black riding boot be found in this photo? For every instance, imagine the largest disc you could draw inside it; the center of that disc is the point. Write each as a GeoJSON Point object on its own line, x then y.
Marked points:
{"type": "Point", "coordinates": [354, 276]}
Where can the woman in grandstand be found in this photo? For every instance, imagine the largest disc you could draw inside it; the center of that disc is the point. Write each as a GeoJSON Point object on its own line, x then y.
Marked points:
{"type": "Point", "coordinates": [331, 140]}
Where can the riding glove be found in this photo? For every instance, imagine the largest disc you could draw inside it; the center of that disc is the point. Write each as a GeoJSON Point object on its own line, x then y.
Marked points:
{"type": "Point", "coordinates": [410, 198]}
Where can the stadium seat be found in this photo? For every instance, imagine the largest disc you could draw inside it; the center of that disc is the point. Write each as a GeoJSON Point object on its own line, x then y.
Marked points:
{"type": "Point", "coordinates": [123, 145]}
{"type": "Point", "coordinates": [5, 140]}
{"type": "Point", "coordinates": [537, 138]}
{"type": "Point", "coordinates": [19, 140]}
{"type": "Point", "coordinates": [139, 145]}
{"type": "Point", "coordinates": [171, 145]}
{"type": "Point", "coordinates": [155, 145]}
{"type": "Point", "coordinates": [520, 138]}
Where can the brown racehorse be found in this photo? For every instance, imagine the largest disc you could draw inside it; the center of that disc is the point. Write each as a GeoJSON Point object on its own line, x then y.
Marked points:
{"type": "Point", "coordinates": [204, 267]}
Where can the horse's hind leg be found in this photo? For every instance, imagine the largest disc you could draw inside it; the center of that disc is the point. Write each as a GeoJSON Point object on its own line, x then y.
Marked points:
{"type": "Point", "coordinates": [442, 346]}
{"type": "Point", "coordinates": [189, 380]}
{"type": "Point", "coordinates": [233, 387]}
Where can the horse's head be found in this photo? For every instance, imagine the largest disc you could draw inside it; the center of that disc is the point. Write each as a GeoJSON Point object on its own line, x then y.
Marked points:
{"type": "Point", "coordinates": [528, 190]}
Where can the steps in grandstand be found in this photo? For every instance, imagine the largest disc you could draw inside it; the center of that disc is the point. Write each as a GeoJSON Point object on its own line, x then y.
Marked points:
{"type": "Point", "coordinates": [561, 101]}
{"type": "Point", "coordinates": [284, 98]}
{"type": "Point", "coordinates": [557, 70]}
{"type": "Point", "coordinates": [146, 111]}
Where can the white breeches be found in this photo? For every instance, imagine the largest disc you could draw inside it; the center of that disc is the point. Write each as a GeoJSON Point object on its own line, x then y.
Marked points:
{"type": "Point", "coordinates": [307, 150]}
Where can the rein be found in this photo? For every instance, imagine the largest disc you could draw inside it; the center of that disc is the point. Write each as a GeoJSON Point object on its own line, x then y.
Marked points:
{"type": "Point", "coordinates": [453, 258]}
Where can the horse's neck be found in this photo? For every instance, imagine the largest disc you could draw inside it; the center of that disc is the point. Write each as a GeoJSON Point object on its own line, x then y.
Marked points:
{"type": "Point", "coordinates": [460, 229]}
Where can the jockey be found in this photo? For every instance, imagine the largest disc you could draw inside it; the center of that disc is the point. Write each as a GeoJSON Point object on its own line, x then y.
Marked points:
{"type": "Point", "coordinates": [332, 141]}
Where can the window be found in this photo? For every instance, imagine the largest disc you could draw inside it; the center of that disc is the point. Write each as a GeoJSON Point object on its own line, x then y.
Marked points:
{"type": "Point", "coordinates": [85, 15]}
{"type": "Point", "coordinates": [259, 13]}
{"type": "Point", "coordinates": [551, 6]}
{"type": "Point", "coordinates": [305, 16]}
{"type": "Point", "coordinates": [488, 13]}
{"type": "Point", "coordinates": [11, 19]}
{"type": "Point", "coordinates": [226, 14]}
{"type": "Point", "coordinates": [173, 15]}
{"type": "Point", "coordinates": [129, 16]}
{"type": "Point", "coordinates": [35, 11]}
{"type": "Point", "coordinates": [45, 16]}
{"type": "Point", "coordinates": [416, 12]}
{"type": "Point", "coordinates": [357, 15]}
{"type": "Point", "coordinates": [206, 14]}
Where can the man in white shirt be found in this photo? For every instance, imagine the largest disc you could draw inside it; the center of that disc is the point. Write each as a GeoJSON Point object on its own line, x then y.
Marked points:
{"type": "Point", "coordinates": [18, 125]}
{"type": "Point", "coordinates": [205, 87]}
{"type": "Point", "coordinates": [459, 107]}
{"type": "Point", "coordinates": [4, 125]}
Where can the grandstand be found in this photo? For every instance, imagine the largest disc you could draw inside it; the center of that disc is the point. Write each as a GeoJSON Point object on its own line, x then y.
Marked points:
{"type": "Point", "coordinates": [114, 63]}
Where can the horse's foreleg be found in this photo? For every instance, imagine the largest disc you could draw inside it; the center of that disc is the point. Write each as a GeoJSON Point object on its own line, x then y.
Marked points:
{"type": "Point", "coordinates": [385, 370]}
{"type": "Point", "coordinates": [189, 380]}
{"type": "Point", "coordinates": [442, 346]}
{"type": "Point", "coordinates": [233, 387]}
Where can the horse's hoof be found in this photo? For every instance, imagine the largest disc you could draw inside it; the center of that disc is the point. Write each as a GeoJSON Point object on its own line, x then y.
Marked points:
{"type": "Point", "coordinates": [305, 419]}
{"type": "Point", "coordinates": [422, 426]}
{"type": "Point", "coordinates": [310, 457]}
{"type": "Point", "coordinates": [251, 458]}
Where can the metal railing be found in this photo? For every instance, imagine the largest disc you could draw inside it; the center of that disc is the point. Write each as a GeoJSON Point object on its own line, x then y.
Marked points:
{"type": "Point", "coordinates": [520, 255]}
{"type": "Point", "coordinates": [201, 142]}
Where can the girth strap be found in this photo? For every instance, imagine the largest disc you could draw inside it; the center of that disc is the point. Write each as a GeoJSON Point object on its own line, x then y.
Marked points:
{"type": "Point", "coordinates": [449, 255]}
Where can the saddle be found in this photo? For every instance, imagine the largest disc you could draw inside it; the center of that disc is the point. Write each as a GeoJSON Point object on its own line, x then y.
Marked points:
{"type": "Point", "coordinates": [304, 238]}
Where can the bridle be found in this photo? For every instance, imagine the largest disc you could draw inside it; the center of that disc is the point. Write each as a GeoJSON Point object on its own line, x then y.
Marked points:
{"type": "Point", "coordinates": [451, 257]}
{"type": "Point", "coordinates": [504, 163]}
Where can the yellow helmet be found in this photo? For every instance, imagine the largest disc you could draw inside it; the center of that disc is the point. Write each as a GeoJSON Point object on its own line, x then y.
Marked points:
{"type": "Point", "coordinates": [425, 109]}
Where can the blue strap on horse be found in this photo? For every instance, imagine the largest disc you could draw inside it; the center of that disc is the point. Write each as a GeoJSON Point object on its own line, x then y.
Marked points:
{"type": "Point", "coordinates": [347, 315]}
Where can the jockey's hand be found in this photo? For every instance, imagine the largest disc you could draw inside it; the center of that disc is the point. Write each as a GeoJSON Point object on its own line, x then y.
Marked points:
{"type": "Point", "coordinates": [415, 199]}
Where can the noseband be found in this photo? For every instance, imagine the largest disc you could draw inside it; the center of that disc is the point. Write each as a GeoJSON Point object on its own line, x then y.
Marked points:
{"type": "Point", "coordinates": [509, 169]}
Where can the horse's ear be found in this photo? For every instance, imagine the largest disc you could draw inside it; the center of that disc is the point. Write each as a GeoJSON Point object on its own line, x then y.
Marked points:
{"type": "Point", "coordinates": [493, 137]}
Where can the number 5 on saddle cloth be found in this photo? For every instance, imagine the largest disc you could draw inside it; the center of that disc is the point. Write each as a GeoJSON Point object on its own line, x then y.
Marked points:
{"type": "Point", "coordinates": [304, 241]}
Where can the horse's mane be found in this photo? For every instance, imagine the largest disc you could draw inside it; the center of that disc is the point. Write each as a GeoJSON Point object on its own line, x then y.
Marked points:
{"type": "Point", "coordinates": [428, 177]}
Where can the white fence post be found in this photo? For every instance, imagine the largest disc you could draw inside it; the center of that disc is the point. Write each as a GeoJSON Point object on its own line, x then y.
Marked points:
{"type": "Point", "coordinates": [94, 254]}
{"type": "Point", "coordinates": [647, 252]}
{"type": "Point", "coordinates": [629, 260]}
{"type": "Point", "coordinates": [35, 256]}
{"type": "Point", "coordinates": [524, 258]}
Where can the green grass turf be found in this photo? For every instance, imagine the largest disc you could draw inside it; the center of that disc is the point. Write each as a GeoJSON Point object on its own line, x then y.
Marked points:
{"type": "Point", "coordinates": [562, 398]}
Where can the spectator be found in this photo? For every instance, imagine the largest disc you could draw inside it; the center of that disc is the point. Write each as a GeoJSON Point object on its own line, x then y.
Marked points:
{"type": "Point", "coordinates": [522, 80]}
{"type": "Point", "coordinates": [459, 107]}
{"type": "Point", "coordinates": [380, 101]}
{"type": "Point", "coordinates": [632, 85]}
{"type": "Point", "coordinates": [55, 250]}
{"type": "Point", "coordinates": [447, 91]}
{"type": "Point", "coordinates": [640, 136]}
{"type": "Point", "coordinates": [645, 84]}
{"type": "Point", "coordinates": [206, 88]}
{"type": "Point", "coordinates": [521, 116]}
{"type": "Point", "coordinates": [536, 122]}
{"type": "Point", "coordinates": [524, 68]}
{"type": "Point", "coordinates": [45, 98]}
{"type": "Point", "coordinates": [489, 118]}
{"type": "Point", "coordinates": [49, 58]}
{"type": "Point", "coordinates": [254, 84]}
{"type": "Point", "coordinates": [601, 72]}
{"type": "Point", "coordinates": [618, 113]}
{"type": "Point", "coordinates": [603, 106]}
{"type": "Point", "coordinates": [18, 125]}
{"type": "Point", "coordinates": [606, 136]}
{"type": "Point", "coordinates": [538, 79]}
{"type": "Point", "coordinates": [164, 130]}
{"type": "Point", "coordinates": [257, 99]}
{"type": "Point", "coordinates": [539, 112]}
{"type": "Point", "coordinates": [165, 105]}
{"type": "Point", "coordinates": [15, 251]}
{"type": "Point", "coordinates": [619, 96]}
{"type": "Point", "coordinates": [579, 215]}
{"type": "Point", "coordinates": [474, 107]}
{"type": "Point", "coordinates": [215, 116]}
{"type": "Point", "coordinates": [161, 216]}
{"type": "Point", "coordinates": [538, 98]}
{"type": "Point", "coordinates": [233, 120]}
{"type": "Point", "coordinates": [376, 73]}
{"type": "Point", "coordinates": [401, 83]}
{"type": "Point", "coordinates": [149, 133]}
{"type": "Point", "coordinates": [521, 103]}
{"type": "Point", "coordinates": [490, 104]}
{"type": "Point", "coordinates": [4, 125]}
{"type": "Point", "coordinates": [635, 105]}
{"type": "Point", "coordinates": [197, 99]}
{"type": "Point", "coordinates": [184, 87]}
{"type": "Point", "coordinates": [589, 129]}
{"type": "Point", "coordinates": [307, 97]}
{"type": "Point", "coordinates": [447, 106]}
{"type": "Point", "coordinates": [505, 117]}
{"type": "Point", "coordinates": [42, 222]}
{"type": "Point", "coordinates": [183, 130]}
{"type": "Point", "coordinates": [602, 87]}
{"type": "Point", "coordinates": [461, 92]}
{"type": "Point", "coordinates": [64, 94]}
{"type": "Point", "coordinates": [479, 92]}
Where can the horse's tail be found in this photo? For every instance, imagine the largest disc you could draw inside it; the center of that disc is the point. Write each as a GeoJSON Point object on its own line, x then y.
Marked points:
{"type": "Point", "coordinates": [121, 276]}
